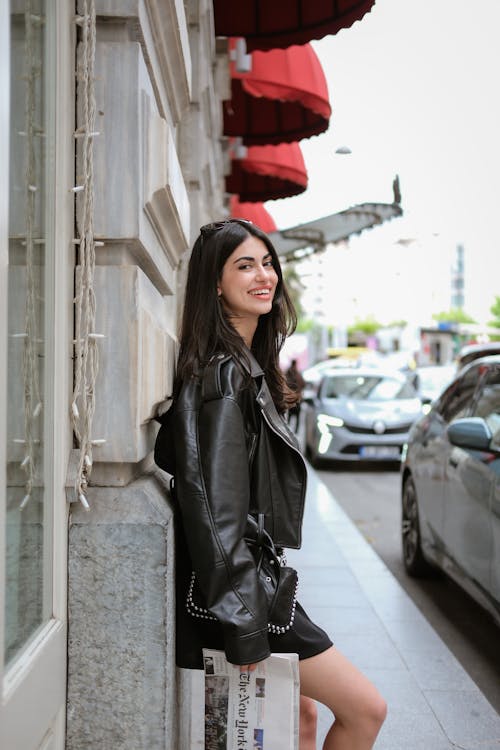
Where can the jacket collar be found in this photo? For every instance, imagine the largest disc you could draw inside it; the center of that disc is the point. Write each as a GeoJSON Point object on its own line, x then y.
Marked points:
{"type": "Point", "coordinates": [252, 366]}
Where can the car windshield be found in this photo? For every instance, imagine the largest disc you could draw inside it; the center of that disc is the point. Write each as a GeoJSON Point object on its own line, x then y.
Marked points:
{"type": "Point", "coordinates": [433, 380]}
{"type": "Point", "coordinates": [366, 387]}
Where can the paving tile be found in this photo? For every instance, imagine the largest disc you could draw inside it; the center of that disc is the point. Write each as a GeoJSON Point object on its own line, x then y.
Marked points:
{"type": "Point", "coordinates": [368, 568]}
{"type": "Point", "coordinates": [368, 651]}
{"type": "Point", "coordinates": [438, 671]}
{"type": "Point", "coordinates": [317, 575]}
{"type": "Point", "coordinates": [350, 621]}
{"type": "Point", "coordinates": [400, 690]}
{"type": "Point", "coordinates": [380, 587]}
{"type": "Point", "coordinates": [405, 729]}
{"type": "Point", "coordinates": [332, 595]}
{"type": "Point", "coordinates": [467, 718]}
{"type": "Point", "coordinates": [416, 635]}
{"type": "Point", "coordinates": [393, 606]}
{"type": "Point", "coordinates": [317, 554]}
{"type": "Point", "coordinates": [354, 548]}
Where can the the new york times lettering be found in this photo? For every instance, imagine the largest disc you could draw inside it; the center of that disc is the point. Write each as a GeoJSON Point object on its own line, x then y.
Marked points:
{"type": "Point", "coordinates": [241, 722]}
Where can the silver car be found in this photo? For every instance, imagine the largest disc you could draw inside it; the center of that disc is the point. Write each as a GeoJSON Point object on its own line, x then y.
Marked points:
{"type": "Point", "coordinates": [451, 485]}
{"type": "Point", "coordinates": [360, 415]}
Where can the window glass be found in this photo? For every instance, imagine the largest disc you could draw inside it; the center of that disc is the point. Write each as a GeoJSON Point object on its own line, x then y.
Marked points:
{"type": "Point", "coordinates": [487, 404]}
{"type": "Point", "coordinates": [456, 401]}
{"type": "Point", "coordinates": [371, 387]}
{"type": "Point", "coordinates": [27, 598]}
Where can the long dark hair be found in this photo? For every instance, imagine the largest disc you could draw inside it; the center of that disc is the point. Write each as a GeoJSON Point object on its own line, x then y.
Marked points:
{"type": "Point", "coordinates": [206, 329]}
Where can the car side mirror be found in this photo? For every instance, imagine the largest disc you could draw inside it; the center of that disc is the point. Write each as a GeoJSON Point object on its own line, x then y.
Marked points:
{"type": "Point", "coordinates": [471, 432]}
{"type": "Point", "coordinates": [308, 395]}
{"type": "Point", "coordinates": [309, 399]}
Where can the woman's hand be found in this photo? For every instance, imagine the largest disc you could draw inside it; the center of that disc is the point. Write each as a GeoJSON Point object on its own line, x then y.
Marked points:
{"type": "Point", "coordinates": [247, 667]}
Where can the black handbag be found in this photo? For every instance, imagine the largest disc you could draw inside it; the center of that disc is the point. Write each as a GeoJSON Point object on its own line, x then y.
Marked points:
{"type": "Point", "coordinates": [278, 581]}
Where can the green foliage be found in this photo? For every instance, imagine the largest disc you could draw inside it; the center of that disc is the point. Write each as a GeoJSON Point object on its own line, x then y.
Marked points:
{"type": "Point", "coordinates": [495, 311]}
{"type": "Point", "coordinates": [455, 315]}
{"type": "Point", "coordinates": [304, 325]}
{"type": "Point", "coordinates": [295, 287]}
{"type": "Point", "coordinates": [368, 326]}
{"type": "Point", "coordinates": [397, 324]}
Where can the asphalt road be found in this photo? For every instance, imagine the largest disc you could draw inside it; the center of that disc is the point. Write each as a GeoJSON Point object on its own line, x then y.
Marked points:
{"type": "Point", "coordinates": [371, 498]}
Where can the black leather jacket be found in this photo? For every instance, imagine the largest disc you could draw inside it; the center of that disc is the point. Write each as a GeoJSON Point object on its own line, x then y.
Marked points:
{"type": "Point", "coordinates": [234, 454]}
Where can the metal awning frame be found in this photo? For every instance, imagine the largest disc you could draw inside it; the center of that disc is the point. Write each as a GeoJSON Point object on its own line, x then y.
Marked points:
{"type": "Point", "coordinates": [296, 243]}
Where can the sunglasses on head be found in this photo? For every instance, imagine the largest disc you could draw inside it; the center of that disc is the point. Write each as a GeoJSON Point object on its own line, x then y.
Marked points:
{"type": "Point", "coordinates": [207, 229]}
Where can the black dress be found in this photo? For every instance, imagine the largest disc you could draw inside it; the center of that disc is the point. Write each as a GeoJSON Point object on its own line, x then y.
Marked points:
{"type": "Point", "coordinates": [304, 638]}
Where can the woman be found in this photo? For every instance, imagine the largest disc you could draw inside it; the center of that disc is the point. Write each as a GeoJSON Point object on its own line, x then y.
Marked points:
{"type": "Point", "coordinates": [231, 454]}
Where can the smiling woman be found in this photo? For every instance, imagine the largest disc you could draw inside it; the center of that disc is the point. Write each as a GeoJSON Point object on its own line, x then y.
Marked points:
{"type": "Point", "coordinates": [247, 286]}
{"type": "Point", "coordinates": [240, 482]}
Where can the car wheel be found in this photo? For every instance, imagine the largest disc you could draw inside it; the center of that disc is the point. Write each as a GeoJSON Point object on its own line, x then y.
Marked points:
{"type": "Point", "coordinates": [413, 558]}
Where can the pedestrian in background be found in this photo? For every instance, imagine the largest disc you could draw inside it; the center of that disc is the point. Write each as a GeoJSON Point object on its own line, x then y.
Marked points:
{"type": "Point", "coordinates": [240, 481]}
{"type": "Point", "coordinates": [296, 383]}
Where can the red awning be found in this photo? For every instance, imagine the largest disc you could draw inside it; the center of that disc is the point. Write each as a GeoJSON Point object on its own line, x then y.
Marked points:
{"type": "Point", "coordinates": [283, 98]}
{"type": "Point", "coordinates": [268, 172]}
{"type": "Point", "coordinates": [281, 23]}
{"type": "Point", "coordinates": [254, 212]}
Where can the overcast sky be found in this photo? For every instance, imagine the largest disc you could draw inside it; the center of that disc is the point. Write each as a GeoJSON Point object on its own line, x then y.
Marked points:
{"type": "Point", "coordinates": [414, 89]}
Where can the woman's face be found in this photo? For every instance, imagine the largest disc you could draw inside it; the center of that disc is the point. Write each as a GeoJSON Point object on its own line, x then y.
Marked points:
{"type": "Point", "coordinates": [248, 281]}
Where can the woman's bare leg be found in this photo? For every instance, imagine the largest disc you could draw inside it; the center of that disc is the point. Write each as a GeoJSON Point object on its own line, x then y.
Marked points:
{"type": "Point", "coordinates": [308, 723]}
{"type": "Point", "coordinates": [358, 707]}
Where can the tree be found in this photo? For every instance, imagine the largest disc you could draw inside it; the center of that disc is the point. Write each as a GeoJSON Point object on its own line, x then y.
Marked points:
{"type": "Point", "coordinates": [295, 287]}
{"type": "Point", "coordinates": [455, 315]}
{"type": "Point", "coordinates": [495, 311]}
{"type": "Point", "coordinates": [368, 326]}
{"type": "Point", "coordinates": [397, 324]}
{"type": "Point", "coordinates": [495, 323]}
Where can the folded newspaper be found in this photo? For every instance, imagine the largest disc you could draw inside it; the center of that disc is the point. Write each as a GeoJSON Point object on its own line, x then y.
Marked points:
{"type": "Point", "coordinates": [256, 710]}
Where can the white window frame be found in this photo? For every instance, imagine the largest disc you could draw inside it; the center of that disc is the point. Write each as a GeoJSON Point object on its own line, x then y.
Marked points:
{"type": "Point", "coordinates": [34, 685]}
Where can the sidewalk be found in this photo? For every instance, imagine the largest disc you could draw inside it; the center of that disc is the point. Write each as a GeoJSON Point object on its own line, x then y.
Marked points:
{"type": "Point", "coordinates": [346, 588]}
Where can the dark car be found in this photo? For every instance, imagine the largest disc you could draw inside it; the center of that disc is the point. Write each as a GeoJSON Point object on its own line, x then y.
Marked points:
{"type": "Point", "coordinates": [360, 415]}
{"type": "Point", "coordinates": [431, 380]}
{"type": "Point", "coordinates": [469, 353]}
{"type": "Point", "coordinates": [451, 485]}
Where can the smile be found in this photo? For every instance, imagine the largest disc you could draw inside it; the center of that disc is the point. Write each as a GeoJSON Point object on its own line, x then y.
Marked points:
{"type": "Point", "coordinates": [257, 292]}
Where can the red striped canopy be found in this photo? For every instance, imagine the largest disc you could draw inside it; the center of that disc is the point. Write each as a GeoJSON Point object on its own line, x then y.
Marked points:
{"type": "Point", "coordinates": [268, 172]}
{"type": "Point", "coordinates": [267, 24]}
{"type": "Point", "coordinates": [283, 98]}
{"type": "Point", "coordinates": [254, 212]}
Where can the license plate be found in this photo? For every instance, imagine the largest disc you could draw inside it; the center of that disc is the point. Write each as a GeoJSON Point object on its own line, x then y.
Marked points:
{"type": "Point", "coordinates": [380, 451]}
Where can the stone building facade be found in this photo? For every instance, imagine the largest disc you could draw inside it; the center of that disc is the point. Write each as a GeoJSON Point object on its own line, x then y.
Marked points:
{"type": "Point", "coordinates": [87, 595]}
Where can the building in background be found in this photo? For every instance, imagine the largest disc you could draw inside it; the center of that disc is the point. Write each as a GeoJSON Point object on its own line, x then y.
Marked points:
{"type": "Point", "coordinates": [458, 280]}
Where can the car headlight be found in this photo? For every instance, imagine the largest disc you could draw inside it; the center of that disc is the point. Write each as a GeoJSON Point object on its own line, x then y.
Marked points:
{"type": "Point", "coordinates": [325, 422]}
{"type": "Point", "coordinates": [404, 451]}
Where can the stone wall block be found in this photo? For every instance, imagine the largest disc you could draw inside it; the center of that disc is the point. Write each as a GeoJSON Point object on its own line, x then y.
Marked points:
{"type": "Point", "coordinates": [161, 28]}
{"type": "Point", "coordinates": [117, 177]}
{"type": "Point", "coordinates": [166, 199]}
{"type": "Point", "coordinates": [121, 679]}
{"type": "Point", "coordinates": [136, 362]}
{"type": "Point", "coordinates": [140, 196]}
